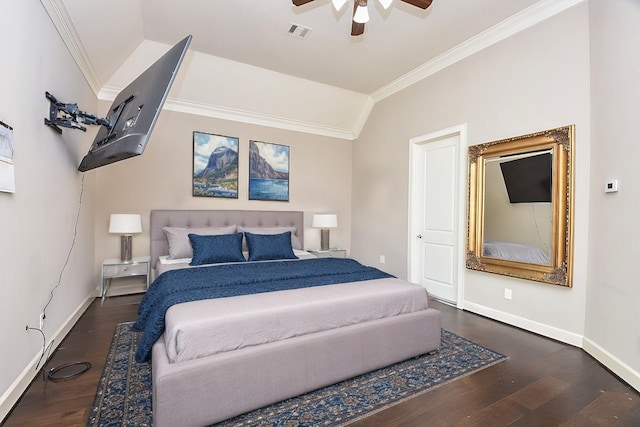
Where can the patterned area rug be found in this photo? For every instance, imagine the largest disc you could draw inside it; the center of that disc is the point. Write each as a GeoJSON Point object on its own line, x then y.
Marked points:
{"type": "Point", "coordinates": [124, 391]}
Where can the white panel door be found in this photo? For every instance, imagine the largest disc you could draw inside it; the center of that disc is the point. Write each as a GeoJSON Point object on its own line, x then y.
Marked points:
{"type": "Point", "coordinates": [435, 216]}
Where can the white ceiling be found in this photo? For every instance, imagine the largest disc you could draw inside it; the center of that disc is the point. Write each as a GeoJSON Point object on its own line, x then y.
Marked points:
{"type": "Point", "coordinates": [114, 39]}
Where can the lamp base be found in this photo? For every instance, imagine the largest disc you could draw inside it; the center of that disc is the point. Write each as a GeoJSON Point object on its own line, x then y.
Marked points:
{"type": "Point", "coordinates": [324, 239]}
{"type": "Point", "coordinates": [126, 247]}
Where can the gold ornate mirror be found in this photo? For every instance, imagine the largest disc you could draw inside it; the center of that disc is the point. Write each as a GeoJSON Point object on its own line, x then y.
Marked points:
{"type": "Point", "coordinates": [520, 218]}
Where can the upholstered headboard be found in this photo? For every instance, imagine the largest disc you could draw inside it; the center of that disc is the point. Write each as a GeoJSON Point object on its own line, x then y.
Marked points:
{"type": "Point", "coordinates": [220, 218]}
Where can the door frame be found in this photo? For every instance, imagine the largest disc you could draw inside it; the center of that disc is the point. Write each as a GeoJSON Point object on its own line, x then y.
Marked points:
{"type": "Point", "coordinates": [461, 132]}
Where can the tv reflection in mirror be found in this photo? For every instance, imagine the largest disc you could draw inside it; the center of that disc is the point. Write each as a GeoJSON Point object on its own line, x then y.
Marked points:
{"type": "Point", "coordinates": [135, 111]}
{"type": "Point", "coordinates": [528, 179]}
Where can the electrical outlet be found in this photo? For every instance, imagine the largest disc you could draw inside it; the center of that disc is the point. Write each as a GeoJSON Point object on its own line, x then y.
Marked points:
{"type": "Point", "coordinates": [382, 259]}
{"type": "Point", "coordinates": [507, 293]}
{"type": "Point", "coordinates": [42, 317]}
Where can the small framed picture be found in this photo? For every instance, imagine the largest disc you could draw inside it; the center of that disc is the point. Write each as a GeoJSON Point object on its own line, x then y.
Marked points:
{"type": "Point", "coordinates": [7, 173]}
{"type": "Point", "coordinates": [268, 171]}
{"type": "Point", "coordinates": [215, 165]}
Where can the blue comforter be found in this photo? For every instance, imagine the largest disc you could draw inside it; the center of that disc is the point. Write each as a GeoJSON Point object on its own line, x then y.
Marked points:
{"type": "Point", "coordinates": [193, 284]}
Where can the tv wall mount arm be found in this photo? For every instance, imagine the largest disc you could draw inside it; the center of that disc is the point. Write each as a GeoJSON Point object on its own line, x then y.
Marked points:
{"type": "Point", "coordinates": [70, 116]}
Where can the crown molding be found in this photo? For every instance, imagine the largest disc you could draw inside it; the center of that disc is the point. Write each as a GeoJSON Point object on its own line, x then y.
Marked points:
{"type": "Point", "coordinates": [62, 21]}
{"type": "Point", "coordinates": [242, 116]}
{"type": "Point", "coordinates": [533, 15]}
{"type": "Point", "coordinates": [64, 25]}
{"type": "Point", "coordinates": [519, 22]}
{"type": "Point", "coordinates": [363, 117]}
{"type": "Point", "coordinates": [253, 118]}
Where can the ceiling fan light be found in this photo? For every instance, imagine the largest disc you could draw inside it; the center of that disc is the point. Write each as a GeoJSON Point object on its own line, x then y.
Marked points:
{"type": "Point", "coordinates": [386, 3]}
{"type": "Point", "coordinates": [362, 14]}
{"type": "Point", "coordinates": [337, 4]}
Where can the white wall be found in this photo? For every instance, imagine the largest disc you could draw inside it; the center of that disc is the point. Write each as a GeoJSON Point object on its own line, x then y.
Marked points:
{"type": "Point", "coordinates": [319, 181]}
{"type": "Point", "coordinates": [612, 322]}
{"type": "Point", "coordinates": [535, 80]}
{"type": "Point", "coordinates": [37, 222]}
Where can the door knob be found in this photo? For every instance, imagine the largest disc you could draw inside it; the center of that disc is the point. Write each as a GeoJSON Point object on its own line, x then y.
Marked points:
{"type": "Point", "coordinates": [419, 236]}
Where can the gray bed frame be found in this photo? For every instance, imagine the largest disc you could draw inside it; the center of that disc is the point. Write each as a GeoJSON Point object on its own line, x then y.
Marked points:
{"type": "Point", "coordinates": [211, 389]}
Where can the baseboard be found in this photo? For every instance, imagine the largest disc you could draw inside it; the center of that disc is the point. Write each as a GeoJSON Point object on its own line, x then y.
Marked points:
{"type": "Point", "coordinates": [611, 362]}
{"type": "Point", "coordinates": [13, 393]}
{"type": "Point", "coordinates": [529, 325]}
{"type": "Point", "coordinates": [615, 365]}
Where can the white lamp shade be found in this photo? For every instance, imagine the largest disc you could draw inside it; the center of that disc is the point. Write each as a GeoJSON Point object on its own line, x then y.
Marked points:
{"type": "Point", "coordinates": [125, 224]}
{"type": "Point", "coordinates": [325, 221]}
{"type": "Point", "coordinates": [362, 15]}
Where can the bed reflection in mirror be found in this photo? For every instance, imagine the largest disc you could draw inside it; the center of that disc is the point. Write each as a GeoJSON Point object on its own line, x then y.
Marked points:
{"type": "Point", "coordinates": [520, 206]}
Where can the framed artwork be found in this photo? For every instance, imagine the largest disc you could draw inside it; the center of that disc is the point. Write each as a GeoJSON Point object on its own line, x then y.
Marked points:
{"type": "Point", "coordinates": [215, 165]}
{"type": "Point", "coordinates": [268, 171]}
{"type": "Point", "coordinates": [7, 174]}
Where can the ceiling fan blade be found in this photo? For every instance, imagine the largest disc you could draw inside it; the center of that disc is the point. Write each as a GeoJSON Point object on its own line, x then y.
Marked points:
{"type": "Point", "coordinates": [357, 29]}
{"type": "Point", "coordinates": [301, 2]}
{"type": "Point", "coordinates": [422, 4]}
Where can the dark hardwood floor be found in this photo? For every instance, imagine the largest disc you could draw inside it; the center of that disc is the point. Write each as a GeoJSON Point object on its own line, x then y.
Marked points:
{"type": "Point", "coordinates": [67, 403]}
{"type": "Point", "coordinates": [543, 383]}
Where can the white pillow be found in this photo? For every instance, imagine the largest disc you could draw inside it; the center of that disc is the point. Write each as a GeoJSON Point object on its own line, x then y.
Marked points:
{"type": "Point", "coordinates": [295, 242]}
{"type": "Point", "coordinates": [301, 254]}
{"type": "Point", "coordinates": [166, 259]}
{"type": "Point", "coordinates": [178, 238]}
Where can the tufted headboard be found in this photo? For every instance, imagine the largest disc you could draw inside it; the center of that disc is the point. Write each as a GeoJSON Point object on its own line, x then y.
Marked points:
{"type": "Point", "coordinates": [220, 218]}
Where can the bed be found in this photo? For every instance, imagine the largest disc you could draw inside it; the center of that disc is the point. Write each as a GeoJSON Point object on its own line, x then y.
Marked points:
{"type": "Point", "coordinates": [216, 358]}
{"type": "Point", "coordinates": [516, 252]}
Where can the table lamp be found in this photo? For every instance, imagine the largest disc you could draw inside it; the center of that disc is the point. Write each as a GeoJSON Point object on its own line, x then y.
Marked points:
{"type": "Point", "coordinates": [324, 222]}
{"type": "Point", "coordinates": [126, 225]}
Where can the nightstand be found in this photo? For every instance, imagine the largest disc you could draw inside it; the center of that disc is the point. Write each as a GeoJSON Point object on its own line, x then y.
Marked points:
{"type": "Point", "coordinates": [116, 268]}
{"type": "Point", "coordinates": [329, 253]}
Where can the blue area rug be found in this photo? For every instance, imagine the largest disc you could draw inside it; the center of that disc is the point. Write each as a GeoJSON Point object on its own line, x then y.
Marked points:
{"type": "Point", "coordinates": [124, 391]}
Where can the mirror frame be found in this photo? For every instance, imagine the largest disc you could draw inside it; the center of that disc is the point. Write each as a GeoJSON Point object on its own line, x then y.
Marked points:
{"type": "Point", "coordinates": [560, 141]}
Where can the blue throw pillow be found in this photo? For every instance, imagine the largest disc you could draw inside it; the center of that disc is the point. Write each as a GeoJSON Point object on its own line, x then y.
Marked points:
{"type": "Point", "coordinates": [215, 249]}
{"type": "Point", "coordinates": [264, 247]}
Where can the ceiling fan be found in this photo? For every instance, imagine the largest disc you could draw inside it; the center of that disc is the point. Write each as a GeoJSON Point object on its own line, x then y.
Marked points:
{"type": "Point", "coordinates": [361, 13]}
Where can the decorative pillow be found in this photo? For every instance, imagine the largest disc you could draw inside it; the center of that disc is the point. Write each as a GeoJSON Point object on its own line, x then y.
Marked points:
{"type": "Point", "coordinates": [214, 249]}
{"type": "Point", "coordinates": [269, 246]}
{"type": "Point", "coordinates": [295, 242]}
{"type": "Point", "coordinates": [178, 238]}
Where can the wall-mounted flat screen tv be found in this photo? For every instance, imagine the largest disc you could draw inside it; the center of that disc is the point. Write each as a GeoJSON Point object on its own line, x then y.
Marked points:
{"type": "Point", "coordinates": [135, 111]}
{"type": "Point", "coordinates": [528, 180]}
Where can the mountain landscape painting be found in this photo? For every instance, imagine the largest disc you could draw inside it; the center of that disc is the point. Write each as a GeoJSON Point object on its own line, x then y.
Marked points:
{"type": "Point", "coordinates": [215, 165]}
{"type": "Point", "coordinates": [268, 171]}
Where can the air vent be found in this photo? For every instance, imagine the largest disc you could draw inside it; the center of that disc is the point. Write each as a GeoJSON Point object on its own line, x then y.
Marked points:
{"type": "Point", "coordinates": [299, 31]}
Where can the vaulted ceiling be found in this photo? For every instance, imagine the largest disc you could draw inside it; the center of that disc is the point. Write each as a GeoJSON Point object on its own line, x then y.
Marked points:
{"type": "Point", "coordinates": [244, 65]}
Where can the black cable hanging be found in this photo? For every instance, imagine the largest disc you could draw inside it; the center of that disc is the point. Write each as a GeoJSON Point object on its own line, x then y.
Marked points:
{"type": "Point", "coordinates": [58, 373]}
{"type": "Point", "coordinates": [72, 369]}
